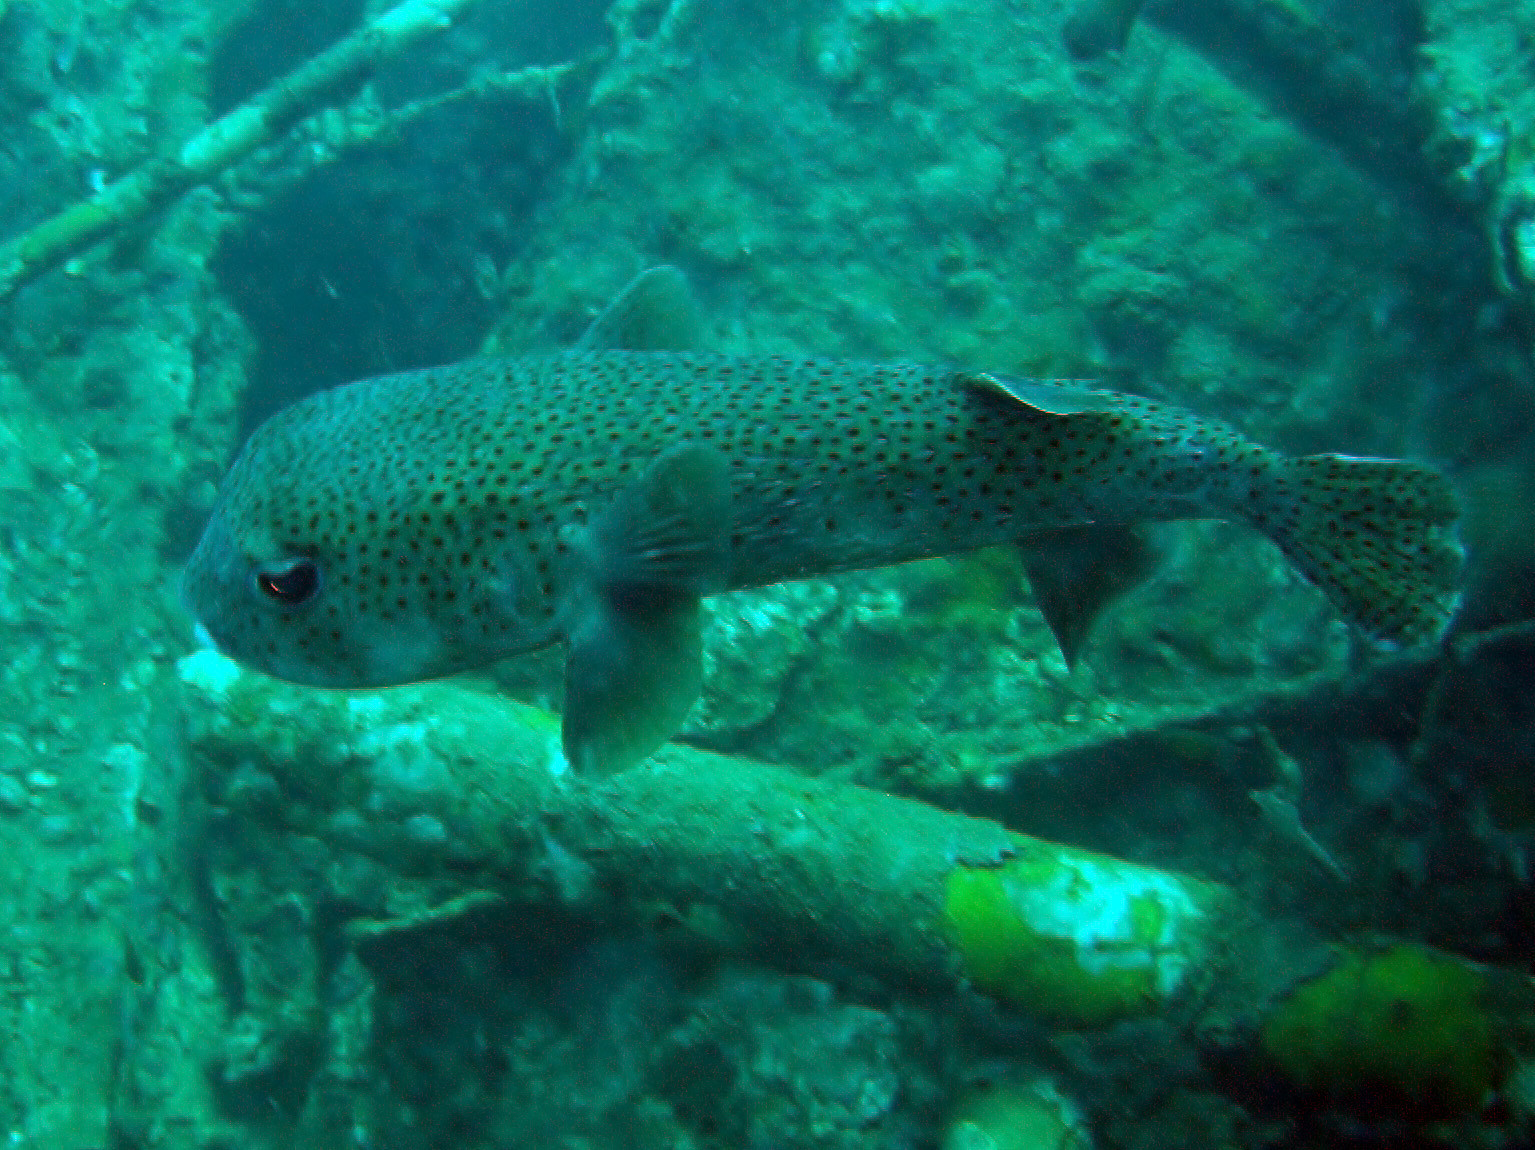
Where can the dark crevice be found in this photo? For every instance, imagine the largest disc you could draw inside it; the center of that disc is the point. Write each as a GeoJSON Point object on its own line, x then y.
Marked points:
{"type": "Point", "coordinates": [388, 258]}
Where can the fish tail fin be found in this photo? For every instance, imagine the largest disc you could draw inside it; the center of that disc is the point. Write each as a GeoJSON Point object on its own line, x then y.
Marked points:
{"type": "Point", "coordinates": [1377, 536]}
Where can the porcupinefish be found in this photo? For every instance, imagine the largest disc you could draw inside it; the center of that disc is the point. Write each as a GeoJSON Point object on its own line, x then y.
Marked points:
{"type": "Point", "coordinates": [415, 525]}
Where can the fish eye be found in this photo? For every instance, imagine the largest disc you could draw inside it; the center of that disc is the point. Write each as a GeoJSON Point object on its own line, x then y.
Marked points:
{"type": "Point", "coordinates": [291, 583]}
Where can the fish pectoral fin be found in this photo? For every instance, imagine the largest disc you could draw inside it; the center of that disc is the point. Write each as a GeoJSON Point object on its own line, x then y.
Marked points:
{"type": "Point", "coordinates": [1048, 396]}
{"type": "Point", "coordinates": [654, 312]}
{"type": "Point", "coordinates": [635, 662]}
{"type": "Point", "coordinates": [1076, 572]}
{"type": "Point", "coordinates": [669, 530]}
{"type": "Point", "coordinates": [632, 675]}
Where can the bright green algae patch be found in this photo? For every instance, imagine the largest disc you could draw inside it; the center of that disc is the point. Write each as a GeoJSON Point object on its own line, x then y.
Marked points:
{"type": "Point", "coordinates": [1078, 938]}
{"type": "Point", "coordinates": [1402, 1026]}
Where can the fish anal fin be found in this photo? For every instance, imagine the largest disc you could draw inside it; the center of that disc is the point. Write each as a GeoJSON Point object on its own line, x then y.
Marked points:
{"type": "Point", "coordinates": [654, 312]}
{"type": "Point", "coordinates": [1076, 572]}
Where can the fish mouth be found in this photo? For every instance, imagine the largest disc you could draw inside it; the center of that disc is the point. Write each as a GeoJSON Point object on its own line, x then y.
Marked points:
{"type": "Point", "coordinates": [212, 576]}
{"type": "Point", "coordinates": [194, 603]}
{"type": "Point", "coordinates": [188, 594]}
{"type": "Point", "coordinates": [204, 638]}
{"type": "Point", "coordinates": [187, 597]}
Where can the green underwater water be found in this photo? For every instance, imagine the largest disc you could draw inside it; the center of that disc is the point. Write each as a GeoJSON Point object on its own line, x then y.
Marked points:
{"type": "Point", "coordinates": [906, 878]}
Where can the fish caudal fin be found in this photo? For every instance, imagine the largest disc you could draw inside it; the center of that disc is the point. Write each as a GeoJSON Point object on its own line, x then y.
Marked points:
{"type": "Point", "coordinates": [1377, 536]}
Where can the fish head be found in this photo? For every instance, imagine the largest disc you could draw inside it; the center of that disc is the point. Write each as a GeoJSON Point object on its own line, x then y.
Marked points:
{"type": "Point", "coordinates": [273, 594]}
{"type": "Point", "coordinates": [332, 558]}
{"type": "Point", "coordinates": [271, 605]}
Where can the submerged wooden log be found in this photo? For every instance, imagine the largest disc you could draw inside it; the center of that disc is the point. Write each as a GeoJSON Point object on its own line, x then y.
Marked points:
{"type": "Point", "coordinates": [264, 117]}
{"type": "Point", "coordinates": [447, 784]}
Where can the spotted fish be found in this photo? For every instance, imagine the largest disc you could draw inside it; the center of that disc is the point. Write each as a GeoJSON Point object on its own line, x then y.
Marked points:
{"type": "Point", "coordinates": [418, 524]}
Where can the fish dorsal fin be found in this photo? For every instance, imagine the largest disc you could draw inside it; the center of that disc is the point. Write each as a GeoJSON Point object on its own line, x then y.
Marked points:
{"type": "Point", "coordinates": [654, 312]}
{"type": "Point", "coordinates": [1076, 572]}
{"type": "Point", "coordinates": [1050, 396]}
{"type": "Point", "coordinates": [634, 666]}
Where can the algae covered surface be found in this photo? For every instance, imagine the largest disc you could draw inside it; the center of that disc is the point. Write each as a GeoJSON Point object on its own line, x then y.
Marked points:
{"type": "Point", "coordinates": [1233, 877]}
